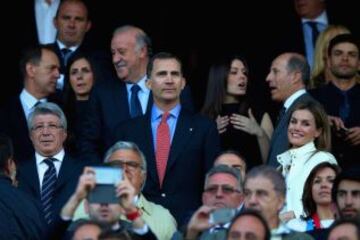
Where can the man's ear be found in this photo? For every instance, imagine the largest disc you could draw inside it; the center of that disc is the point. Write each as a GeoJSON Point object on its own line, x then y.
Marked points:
{"type": "Point", "coordinates": [183, 83]}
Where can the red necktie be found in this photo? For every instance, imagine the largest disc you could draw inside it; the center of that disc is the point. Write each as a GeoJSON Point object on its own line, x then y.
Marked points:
{"type": "Point", "coordinates": [162, 146]}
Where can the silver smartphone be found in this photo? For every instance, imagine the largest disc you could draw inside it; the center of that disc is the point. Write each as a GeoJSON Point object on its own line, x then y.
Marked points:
{"type": "Point", "coordinates": [222, 215]}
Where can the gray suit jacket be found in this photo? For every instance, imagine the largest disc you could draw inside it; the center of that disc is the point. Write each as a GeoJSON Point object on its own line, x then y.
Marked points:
{"type": "Point", "coordinates": [279, 140]}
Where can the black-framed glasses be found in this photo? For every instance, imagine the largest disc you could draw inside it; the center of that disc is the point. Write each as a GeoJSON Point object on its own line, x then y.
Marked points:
{"type": "Point", "coordinates": [131, 165]}
{"type": "Point", "coordinates": [50, 127]}
{"type": "Point", "coordinates": [226, 189]}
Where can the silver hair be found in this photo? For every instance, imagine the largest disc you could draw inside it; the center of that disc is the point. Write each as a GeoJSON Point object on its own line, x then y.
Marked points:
{"type": "Point", "coordinates": [225, 170]}
{"type": "Point", "coordinates": [122, 145]}
{"type": "Point", "coordinates": [47, 108]}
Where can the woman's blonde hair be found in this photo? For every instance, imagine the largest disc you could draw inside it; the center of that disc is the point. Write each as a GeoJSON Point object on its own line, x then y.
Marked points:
{"type": "Point", "coordinates": [318, 77]}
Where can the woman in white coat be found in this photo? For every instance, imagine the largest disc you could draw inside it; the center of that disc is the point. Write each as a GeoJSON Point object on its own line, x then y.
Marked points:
{"type": "Point", "coordinates": [309, 138]}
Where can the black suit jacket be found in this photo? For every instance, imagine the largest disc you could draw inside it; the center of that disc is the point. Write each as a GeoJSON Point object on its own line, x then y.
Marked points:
{"type": "Point", "coordinates": [108, 108]}
{"type": "Point", "coordinates": [70, 171]}
{"type": "Point", "coordinates": [20, 216]}
{"type": "Point", "coordinates": [279, 140]}
{"type": "Point", "coordinates": [194, 148]}
{"type": "Point", "coordinates": [13, 124]}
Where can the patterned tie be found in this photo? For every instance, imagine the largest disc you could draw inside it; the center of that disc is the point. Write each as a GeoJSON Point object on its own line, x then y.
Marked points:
{"type": "Point", "coordinates": [135, 106]}
{"type": "Point", "coordinates": [314, 31]}
{"type": "Point", "coordinates": [162, 146]}
{"type": "Point", "coordinates": [66, 53]}
{"type": "Point", "coordinates": [48, 188]}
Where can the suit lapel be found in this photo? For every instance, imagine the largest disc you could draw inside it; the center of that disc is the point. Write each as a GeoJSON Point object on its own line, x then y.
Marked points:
{"type": "Point", "coordinates": [183, 132]}
{"type": "Point", "coordinates": [67, 167]}
{"type": "Point", "coordinates": [148, 147]}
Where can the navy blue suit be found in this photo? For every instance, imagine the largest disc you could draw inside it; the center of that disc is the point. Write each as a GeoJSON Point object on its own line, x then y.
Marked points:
{"type": "Point", "coordinates": [109, 107]}
{"type": "Point", "coordinates": [20, 215]}
{"type": "Point", "coordinates": [68, 176]}
{"type": "Point", "coordinates": [279, 140]}
{"type": "Point", "coordinates": [194, 147]}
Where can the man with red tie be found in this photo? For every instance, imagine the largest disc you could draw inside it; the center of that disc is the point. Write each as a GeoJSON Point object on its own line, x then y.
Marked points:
{"type": "Point", "coordinates": [180, 146]}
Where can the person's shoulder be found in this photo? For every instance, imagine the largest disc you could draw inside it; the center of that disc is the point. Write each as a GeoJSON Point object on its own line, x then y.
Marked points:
{"type": "Point", "coordinates": [324, 156]}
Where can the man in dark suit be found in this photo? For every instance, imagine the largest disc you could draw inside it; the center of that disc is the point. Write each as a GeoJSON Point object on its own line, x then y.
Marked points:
{"type": "Point", "coordinates": [223, 189]}
{"type": "Point", "coordinates": [288, 75]}
{"type": "Point", "coordinates": [51, 175]}
{"type": "Point", "coordinates": [111, 101]}
{"type": "Point", "coordinates": [180, 147]}
{"type": "Point", "coordinates": [40, 68]}
{"type": "Point", "coordinates": [20, 216]}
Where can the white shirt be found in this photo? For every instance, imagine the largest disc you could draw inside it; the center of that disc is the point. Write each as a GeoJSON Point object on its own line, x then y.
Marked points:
{"type": "Point", "coordinates": [44, 16]}
{"type": "Point", "coordinates": [296, 165]}
{"type": "Point", "coordinates": [28, 102]}
{"type": "Point", "coordinates": [143, 94]}
{"type": "Point", "coordinates": [42, 166]}
{"type": "Point", "coordinates": [300, 225]}
{"type": "Point", "coordinates": [289, 101]}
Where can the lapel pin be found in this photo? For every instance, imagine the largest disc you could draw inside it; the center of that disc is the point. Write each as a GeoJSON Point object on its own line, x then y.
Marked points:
{"type": "Point", "coordinates": [190, 129]}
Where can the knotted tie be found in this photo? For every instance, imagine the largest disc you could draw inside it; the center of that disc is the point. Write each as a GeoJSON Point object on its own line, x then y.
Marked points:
{"type": "Point", "coordinates": [48, 188]}
{"type": "Point", "coordinates": [162, 146]}
{"type": "Point", "coordinates": [314, 31]}
{"type": "Point", "coordinates": [135, 106]}
{"type": "Point", "coordinates": [66, 53]}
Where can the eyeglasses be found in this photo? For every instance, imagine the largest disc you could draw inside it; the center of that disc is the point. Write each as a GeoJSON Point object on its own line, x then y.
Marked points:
{"type": "Point", "coordinates": [131, 165]}
{"type": "Point", "coordinates": [226, 189]}
{"type": "Point", "coordinates": [51, 127]}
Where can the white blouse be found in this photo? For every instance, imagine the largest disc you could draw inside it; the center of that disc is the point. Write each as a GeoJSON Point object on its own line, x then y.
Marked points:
{"type": "Point", "coordinates": [296, 165]}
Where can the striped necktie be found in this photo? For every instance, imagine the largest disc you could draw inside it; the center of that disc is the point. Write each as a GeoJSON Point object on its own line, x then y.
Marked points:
{"type": "Point", "coordinates": [48, 189]}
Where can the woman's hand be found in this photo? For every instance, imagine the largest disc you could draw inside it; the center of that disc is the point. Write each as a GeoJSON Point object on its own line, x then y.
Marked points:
{"type": "Point", "coordinates": [246, 124]}
{"type": "Point", "coordinates": [222, 123]}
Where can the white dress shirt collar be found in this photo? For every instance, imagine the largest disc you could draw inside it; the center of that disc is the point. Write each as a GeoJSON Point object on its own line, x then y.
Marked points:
{"type": "Point", "coordinates": [293, 97]}
{"type": "Point", "coordinates": [322, 19]}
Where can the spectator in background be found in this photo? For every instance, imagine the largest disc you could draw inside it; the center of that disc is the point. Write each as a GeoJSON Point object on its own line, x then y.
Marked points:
{"type": "Point", "coordinates": [82, 77]}
{"type": "Point", "coordinates": [287, 78]}
{"type": "Point", "coordinates": [319, 209]}
{"type": "Point", "coordinates": [341, 98]}
{"type": "Point", "coordinates": [309, 139]}
{"type": "Point", "coordinates": [248, 225]}
{"type": "Point", "coordinates": [223, 189]}
{"type": "Point", "coordinates": [112, 103]}
{"type": "Point", "coordinates": [232, 159]}
{"type": "Point", "coordinates": [345, 229]}
{"type": "Point", "coordinates": [346, 193]}
{"type": "Point", "coordinates": [40, 69]}
{"type": "Point", "coordinates": [321, 74]}
{"type": "Point", "coordinates": [265, 190]}
{"type": "Point", "coordinates": [241, 125]}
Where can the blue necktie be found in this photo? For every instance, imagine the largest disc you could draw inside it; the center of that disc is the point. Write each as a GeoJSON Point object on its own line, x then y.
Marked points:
{"type": "Point", "coordinates": [48, 188]}
{"type": "Point", "coordinates": [344, 110]}
{"type": "Point", "coordinates": [135, 106]}
{"type": "Point", "coordinates": [66, 53]}
{"type": "Point", "coordinates": [314, 31]}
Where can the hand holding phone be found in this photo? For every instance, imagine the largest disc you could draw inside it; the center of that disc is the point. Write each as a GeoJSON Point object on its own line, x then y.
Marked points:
{"type": "Point", "coordinates": [222, 215]}
{"type": "Point", "coordinates": [106, 179]}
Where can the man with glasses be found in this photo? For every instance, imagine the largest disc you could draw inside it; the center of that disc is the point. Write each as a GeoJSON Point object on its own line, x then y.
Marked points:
{"type": "Point", "coordinates": [50, 176]}
{"type": "Point", "coordinates": [130, 158]}
{"type": "Point", "coordinates": [223, 190]}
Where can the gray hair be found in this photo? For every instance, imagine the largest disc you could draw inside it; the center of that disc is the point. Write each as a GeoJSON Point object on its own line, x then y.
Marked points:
{"type": "Point", "coordinates": [122, 145]}
{"type": "Point", "coordinates": [270, 173]}
{"type": "Point", "coordinates": [225, 170]}
{"type": "Point", "coordinates": [47, 108]}
{"type": "Point", "coordinates": [142, 39]}
{"type": "Point", "coordinates": [297, 62]}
